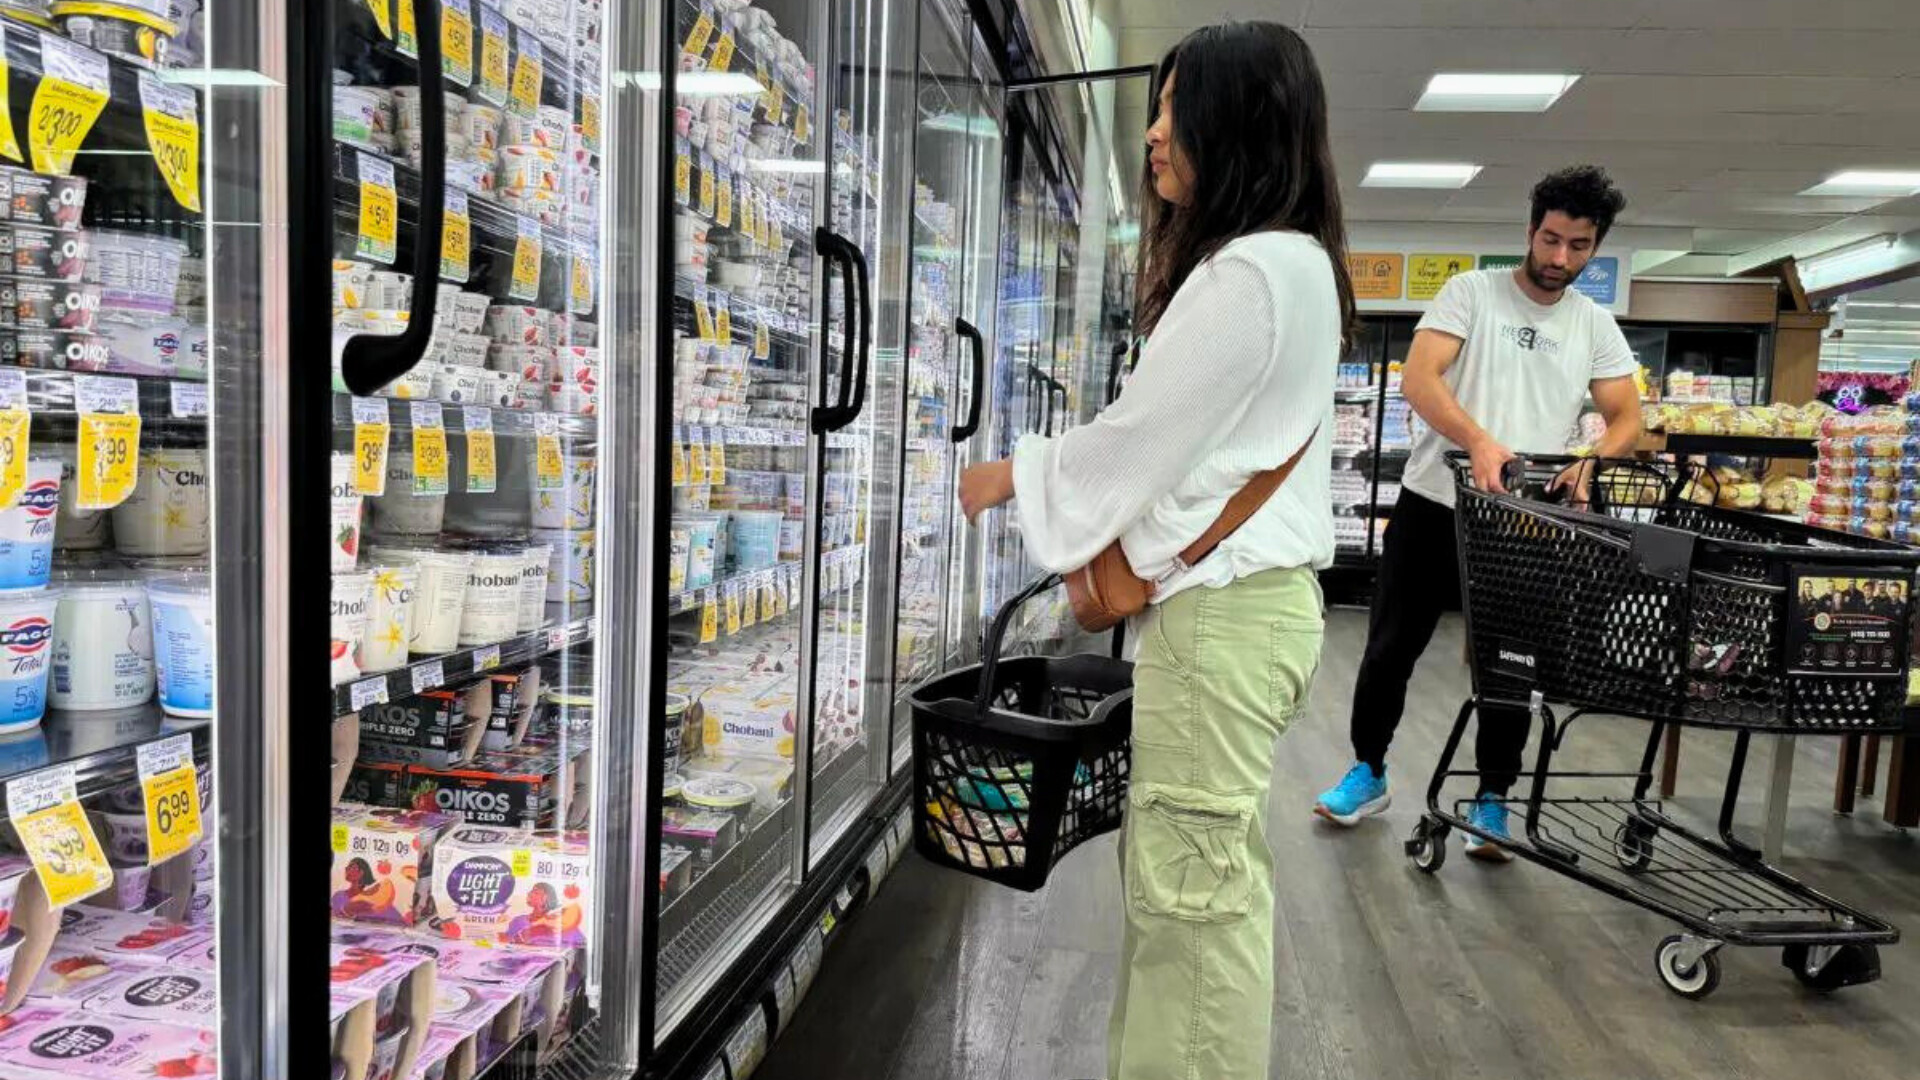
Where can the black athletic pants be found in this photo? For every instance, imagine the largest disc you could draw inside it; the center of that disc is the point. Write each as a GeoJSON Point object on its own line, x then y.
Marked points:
{"type": "Point", "coordinates": [1419, 577]}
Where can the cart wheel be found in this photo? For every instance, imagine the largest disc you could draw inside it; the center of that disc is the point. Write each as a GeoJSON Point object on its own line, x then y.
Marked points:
{"type": "Point", "coordinates": [1427, 848]}
{"type": "Point", "coordinates": [1693, 981]}
{"type": "Point", "coordinates": [1846, 965]}
{"type": "Point", "coordinates": [1633, 845]}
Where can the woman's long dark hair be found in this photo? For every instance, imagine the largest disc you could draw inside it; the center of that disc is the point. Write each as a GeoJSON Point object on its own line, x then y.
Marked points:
{"type": "Point", "coordinates": [1250, 119]}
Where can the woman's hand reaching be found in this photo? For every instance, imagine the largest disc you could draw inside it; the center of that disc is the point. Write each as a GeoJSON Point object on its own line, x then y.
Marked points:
{"type": "Point", "coordinates": [985, 486]}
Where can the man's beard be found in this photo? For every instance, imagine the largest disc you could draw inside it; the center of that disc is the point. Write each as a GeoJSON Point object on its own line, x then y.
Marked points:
{"type": "Point", "coordinates": [1535, 275]}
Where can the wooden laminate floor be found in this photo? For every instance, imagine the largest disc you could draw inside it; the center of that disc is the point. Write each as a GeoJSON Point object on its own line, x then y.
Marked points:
{"type": "Point", "coordinates": [1383, 972]}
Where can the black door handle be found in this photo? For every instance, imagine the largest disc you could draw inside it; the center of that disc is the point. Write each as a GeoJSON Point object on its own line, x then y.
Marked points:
{"type": "Point", "coordinates": [371, 361]}
{"type": "Point", "coordinates": [974, 342]}
{"type": "Point", "coordinates": [865, 351]}
{"type": "Point", "coordinates": [1036, 409]}
{"type": "Point", "coordinates": [834, 249]}
{"type": "Point", "coordinates": [1113, 371]}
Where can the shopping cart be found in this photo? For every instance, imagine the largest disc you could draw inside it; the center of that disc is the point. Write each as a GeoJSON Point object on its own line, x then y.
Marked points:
{"type": "Point", "coordinates": [1018, 760]}
{"type": "Point", "coordinates": [1649, 604]}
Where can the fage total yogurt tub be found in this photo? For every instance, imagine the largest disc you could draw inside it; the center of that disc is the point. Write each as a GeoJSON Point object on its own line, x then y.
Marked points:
{"type": "Point", "coordinates": [26, 646]}
{"type": "Point", "coordinates": [26, 529]}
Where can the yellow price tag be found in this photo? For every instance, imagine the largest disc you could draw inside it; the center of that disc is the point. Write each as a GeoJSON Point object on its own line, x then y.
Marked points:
{"type": "Point", "coordinates": [717, 456]}
{"type": "Point", "coordinates": [679, 456]}
{"type": "Point", "coordinates": [697, 457]}
{"type": "Point", "coordinates": [723, 324]}
{"type": "Point", "coordinates": [777, 103]}
{"type": "Point", "coordinates": [407, 40]}
{"type": "Point", "coordinates": [696, 42]}
{"type": "Point", "coordinates": [429, 449]}
{"type": "Point", "coordinates": [582, 292]}
{"type": "Point", "coordinates": [56, 835]}
{"type": "Point", "coordinates": [723, 204]}
{"type": "Point", "coordinates": [709, 618]}
{"type": "Point", "coordinates": [109, 455]}
{"type": "Point", "coordinates": [9, 142]}
{"type": "Point", "coordinates": [521, 862]}
{"type": "Point", "coordinates": [16, 426]}
{"type": "Point", "coordinates": [747, 226]}
{"type": "Point", "coordinates": [761, 346]}
{"type": "Point", "coordinates": [456, 238]}
{"type": "Point", "coordinates": [527, 73]}
{"type": "Point", "coordinates": [483, 467]}
{"type": "Point", "coordinates": [800, 128]}
{"type": "Point", "coordinates": [682, 178]}
{"type": "Point", "coordinates": [706, 186]}
{"type": "Point", "coordinates": [493, 55]}
{"type": "Point", "coordinates": [590, 121]}
{"type": "Point", "coordinates": [456, 40]}
{"type": "Point", "coordinates": [722, 53]}
{"type": "Point", "coordinates": [526, 262]}
{"type": "Point", "coordinates": [379, 209]}
{"type": "Point", "coordinates": [371, 424]}
{"type": "Point", "coordinates": [703, 317]}
{"type": "Point", "coordinates": [381, 17]}
{"type": "Point", "coordinates": [170, 791]}
{"type": "Point", "coordinates": [341, 836]}
{"type": "Point", "coordinates": [171, 115]}
{"type": "Point", "coordinates": [749, 605]}
{"type": "Point", "coordinates": [733, 611]}
{"type": "Point", "coordinates": [547, 462]}
{"type": "Point", "coordinates": [769, 597]}
{"type": "Point", "coordinates": [73, 89]}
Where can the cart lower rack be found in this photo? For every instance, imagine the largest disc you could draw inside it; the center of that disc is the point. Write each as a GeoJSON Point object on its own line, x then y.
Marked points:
{"type": "Point", "coordinates": [1651, 605]}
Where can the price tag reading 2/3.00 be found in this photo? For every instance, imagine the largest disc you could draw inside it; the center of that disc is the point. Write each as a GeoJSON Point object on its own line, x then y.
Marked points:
{"type": "Point", "coordinates": [171, 791]}
{"type": "Point", "coordinates": [16, 425]}
{"type": "Point", "coordinates": [456, 238]}
{"type": "Point", "coordinates": [109, 441]}
{"type": "Point", "coordinates": [73, 89]}
{"type": "Point", "coordinates": [379, 209]}
{"type": "Point", "coordinates": [526, 262]}
{"type": "Point", "coordinates": [44, 807]}
{"type": "Point", "coordinates": [493, 56]}
{"type": "Point", "coordinates": [548, 465]}
{"type": "Point", "coordinates": [371, 424]}
{"type": "Point", "coordinates": [483, 469]}
{"type": "Point", "coordinates": [171, 115]}
{"type": "Point", "coordinates": [429, 448]}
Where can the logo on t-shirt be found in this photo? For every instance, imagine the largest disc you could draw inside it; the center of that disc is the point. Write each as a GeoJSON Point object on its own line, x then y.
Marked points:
{"type": "Point", "coordinates": [1526, 337]}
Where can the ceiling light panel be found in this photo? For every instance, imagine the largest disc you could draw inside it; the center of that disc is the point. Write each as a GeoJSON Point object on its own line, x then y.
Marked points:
{"type": "Point", "coordinates": [1418, 174]}
{"type": "Point", "coordinates": [1470, 92]}
{"type": "Point", "coordinates": [1891, 184]}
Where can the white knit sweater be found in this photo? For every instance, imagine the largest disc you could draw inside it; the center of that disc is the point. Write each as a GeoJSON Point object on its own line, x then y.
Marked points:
{"type": "Point", "coordinates": [1236, 377]}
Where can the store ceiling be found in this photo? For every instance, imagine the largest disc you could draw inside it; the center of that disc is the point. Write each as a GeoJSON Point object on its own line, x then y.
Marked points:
{"type": "Point", "coordinates": [1711, 114]}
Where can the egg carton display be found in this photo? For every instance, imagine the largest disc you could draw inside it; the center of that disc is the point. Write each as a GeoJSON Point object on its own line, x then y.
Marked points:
{"type": "Point", "coordinates": [1352, 427]}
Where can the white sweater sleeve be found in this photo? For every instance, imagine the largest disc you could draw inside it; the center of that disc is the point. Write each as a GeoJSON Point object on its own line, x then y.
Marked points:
{"type": "Point", "coordinates": [1076, 493]}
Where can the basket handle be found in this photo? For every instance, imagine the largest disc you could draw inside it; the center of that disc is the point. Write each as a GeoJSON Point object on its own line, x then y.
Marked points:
{"type": "Point", "coordinates": [996, 632]}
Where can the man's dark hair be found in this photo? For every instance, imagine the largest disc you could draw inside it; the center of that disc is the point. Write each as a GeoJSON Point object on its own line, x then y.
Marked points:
{"type": "Point", "coordinates": [1579, 191]}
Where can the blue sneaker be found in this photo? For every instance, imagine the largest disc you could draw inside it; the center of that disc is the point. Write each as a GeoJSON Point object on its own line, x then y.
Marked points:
{"type": "Point", "coordinates": [1360, 794]}
{"type": "Point", "coordinates": [1489, 815]}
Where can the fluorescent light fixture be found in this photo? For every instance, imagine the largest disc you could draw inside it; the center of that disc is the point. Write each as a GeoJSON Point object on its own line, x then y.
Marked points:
{"type": "Point", "coordinates": [787, 165]}
{"type": "Point", "coordinates": [1886, 305]}
{"type": "Point", "coordinates": [961, 123]}
{"type": "Point", "coordinates": [214, 77]}
{"type": "Point", "coordinates": [1868, 182]}
{"type": "Point", "coordinates": [1414, 174]}
{"type": "Point", "coordinates": [1826, 261]}
{"type": "Point", "coordinates": [715, 84]}
{"type": "Point", "coordinates": [1469, 92]}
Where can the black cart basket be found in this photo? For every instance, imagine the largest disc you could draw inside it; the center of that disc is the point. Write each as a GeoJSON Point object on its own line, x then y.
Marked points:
{"type": "Point", "coordinates": [1018, 760]}
{"type": "Point", "coordinates": [1650, 602]}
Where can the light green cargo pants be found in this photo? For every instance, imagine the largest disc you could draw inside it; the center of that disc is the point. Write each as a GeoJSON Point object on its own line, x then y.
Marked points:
{"type": "Point", "coordinates": [1219, 675]}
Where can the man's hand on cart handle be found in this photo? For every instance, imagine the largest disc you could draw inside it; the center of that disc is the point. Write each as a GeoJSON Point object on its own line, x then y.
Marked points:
{"type": "Point", "coordinates": [1489, 457]}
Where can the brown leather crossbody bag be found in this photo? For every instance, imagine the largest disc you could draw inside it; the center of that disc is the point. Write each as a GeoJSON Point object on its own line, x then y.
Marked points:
{"type": "Point", "coordinates": [1106, 591]}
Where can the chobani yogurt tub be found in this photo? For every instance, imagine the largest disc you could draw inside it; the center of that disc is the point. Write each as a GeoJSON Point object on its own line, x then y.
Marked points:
{"type": "Point", "coordinates": [571, 505]}
{"type": "Point", "coordinates": [26, 641]}
{"type": "Point", "coordinates": [182, 607]}
{"type": "Point", "coordinates": [389, 617]}
{"type": "Point", "coordinates": [348, 612]}
{"type": "Point", "coordinates": [346, 515]}
{"type": "Point", "coordinates": [493, 598]}
{"type": "Point", "coordinates": [721, 794]}
{"type": "Point", "coordinates": [439, 599]}
{"type": "Point", "coordinates": [102, 642]}
{"type": "Point", "coordinates": [533, 588]}
{"type": "Point", "coordinates": [570, 574]}
{"type": "Point", "coordinates": [27, 529]}
{"type": "Point", "coordinates": [168, 512]}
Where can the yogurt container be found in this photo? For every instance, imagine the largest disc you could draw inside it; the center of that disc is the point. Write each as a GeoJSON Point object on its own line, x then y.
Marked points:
{"type": "Point", "coordinates": [457, 384]}
{"type": "Point", "coordinates": [49, 305]}
{"type": "Point", "coordinates": [721, 794]}
{"type": "Point", "coordinates": [356, 114]}
{"type": "Point", "coordinates": [182, 606]}
{"type": "Point", "coordinates": [570, 573]}
{"type": "Point", "coordinates": [515, 325]}
{"type": "Point", "coordinates": [102, 643]}
{"type": "Point", "coordinates": [571, 505]}
{"type": "Point", "coordinates": [351, 596]}
{"type": "Point", "coordinates": [29, 198]}
{"type": "Point", "coordinates": [533, 588]}
{"type": "Point", "coordinates": [46, 254]}
{"type": "Point", "coordinates": [492, 610]}
{"type": "Point", "coordinates": [13, 871]}
{"type": "Point", "coordinates": [129, 34]}
{"type": "Point", "coordinates": [27, 529]}
{"type": "Point", "coordinates": [527, 363]}
{"type": "Point", "coordinates": [26, 642]}
{"type": "Point", "coordinates": [137, 271]}
{"type": "Point", "coordinates": [481, 126]}
{"type": "Point", "coordinates": [470, 311]}
{"type": "Point", "coordinates": [676, 720]}
{"type": "Point", "coordinates": [389, 617]}
{"type": "Point", "coordinates": [439, 599]}
{"type": "Point", "coordinates": [9, 945]}
{"type": "Point", "coordinates": [130, 881]}
{"type": "Point", "coordinates": [168, 512]}
{"type": "Point", "coordinates": [124, 836]}
{"type": "Point", "coordinates": [386, 1053]}
{"type": "Point", "coordinates": [399, 512]}
{"type": "Point", "coordinates": [346, 516]}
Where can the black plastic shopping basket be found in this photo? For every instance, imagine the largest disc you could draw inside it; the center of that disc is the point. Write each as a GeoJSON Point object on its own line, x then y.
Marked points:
{"type": "Point", "coordinates": [1650, 604]}
{"type": "Point", "coordinates": [1018, 760]}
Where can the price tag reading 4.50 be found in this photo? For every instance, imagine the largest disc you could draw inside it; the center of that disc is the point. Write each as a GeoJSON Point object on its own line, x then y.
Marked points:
{"type": "Point", "coordinates": [379, 210]}
{"type": "Point", "coordinates": [45, 810]}
{"type": "Point", "coordinates": [172, 118]}
{"type": "Point", "coordinates": [547, 463]}
{"type": "Point", "coordinates": [109, 441]}
{"type": "Point", "coordinates": [456, 40]}
{"type": "Point", "coordinates": [171, 791]}
{"type": "Point", "coordinates": [526, 262]}
{"type": "Point", "coordinates": [493, 56]}
{"type": "Point", "coordinates": [73, 89]}
{"type": "Point", "coordinates": [456, 237]}
{"type": "Point", "coordinates": [429, 448]}
{"type": "Point", "coordinates": [16, 425]}
{"type": "Point", "coordinates": [580, 296]}
{"type": "Point", "coordinates": [528, 72]}
{"type": "Point", "coordinates": [371, 423]}
{"type": "Point", "coordinates": [483, 468]}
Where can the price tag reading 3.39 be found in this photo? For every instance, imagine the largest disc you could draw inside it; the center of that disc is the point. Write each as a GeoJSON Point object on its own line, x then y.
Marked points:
{"type": "Point", "coordinates": [379, 212]}
{"type": "Point", "coordinates": [171, 791]}
{"type": "Point", "coordinates": [73, 89]}
{"type": "Point", "coordinates": [483, 468]}
{"type": "Point", "coordinates": [16, 425]}
{"type": "Point", "coordinates": [548, 465]}
{"type": "Point", "coordinates": [526, 262]}
{"type": "Point", "coordinates": [45, 810]}
{"type": "Point", "coordinates": [429, 448]}
{"type": "Point", "coordinates": [371, 424]}
{"type": "Point", "coordinates": [109, 441]}
{"type": "Point", "coordinates": [171, 115]}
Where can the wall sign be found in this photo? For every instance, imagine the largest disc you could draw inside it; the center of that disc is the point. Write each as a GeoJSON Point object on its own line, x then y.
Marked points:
{"type": "Point", "coordinates": [1426, 273]}
{"type": "Point", "coordinates": [1376, 274]}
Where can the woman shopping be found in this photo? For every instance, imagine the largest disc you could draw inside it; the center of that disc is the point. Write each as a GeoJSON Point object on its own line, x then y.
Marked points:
{"type": "Point", "coordinates": [1245, 297]}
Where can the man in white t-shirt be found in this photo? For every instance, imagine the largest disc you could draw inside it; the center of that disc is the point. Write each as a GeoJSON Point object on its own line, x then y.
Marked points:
{"type": "Point", "coordinates": [1501, 365]}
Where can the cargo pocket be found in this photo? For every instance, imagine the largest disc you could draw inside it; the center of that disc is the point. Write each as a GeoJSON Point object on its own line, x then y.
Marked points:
{"type": "Point", "coordinates": [1188, 853]}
